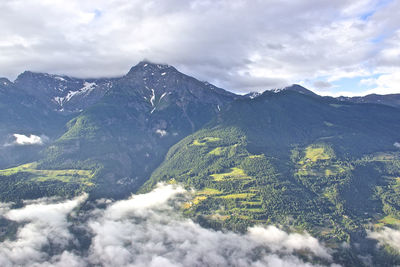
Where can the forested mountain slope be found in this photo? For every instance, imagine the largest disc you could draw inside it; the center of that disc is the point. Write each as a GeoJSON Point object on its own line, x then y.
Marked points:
{"type": "Point", "coordinates": [123, 136]}
{"type": "Point", "coordinates": [297, 160]}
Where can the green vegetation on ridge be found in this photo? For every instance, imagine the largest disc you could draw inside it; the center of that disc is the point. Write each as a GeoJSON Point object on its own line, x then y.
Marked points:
{"type": "Point", "coordinates": [326, 184]}
{"type": "Point", "coordinates": [27, 181]}
{"type": "Point", "coordinates": [292, 159]}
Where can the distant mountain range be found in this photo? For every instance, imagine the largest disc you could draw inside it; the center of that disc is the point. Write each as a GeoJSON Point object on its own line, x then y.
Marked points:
{"type": "Point", "coordinates": [390, 100]}
{"type": "Point", "coordinates": [330, 166]}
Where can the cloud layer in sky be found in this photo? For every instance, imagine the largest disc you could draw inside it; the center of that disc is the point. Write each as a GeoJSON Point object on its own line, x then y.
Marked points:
{"type": "Point", "coordinates": [145, 230]}
{"type": "Point", "coordinates": [334, 47]}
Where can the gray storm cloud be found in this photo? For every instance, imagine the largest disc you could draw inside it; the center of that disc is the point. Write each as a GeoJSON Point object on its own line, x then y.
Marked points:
{"type": "Point", "coordinates": [145, 230]}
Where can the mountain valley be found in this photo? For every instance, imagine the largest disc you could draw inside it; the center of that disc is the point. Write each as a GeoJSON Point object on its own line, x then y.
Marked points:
{"type": "Point", "coordinates": [288, 157]}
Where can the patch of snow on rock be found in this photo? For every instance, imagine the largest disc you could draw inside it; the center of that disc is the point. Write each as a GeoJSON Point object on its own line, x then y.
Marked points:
{"type": "Point", "coordinates": [164, 94]}
{"type": "Point", "coordinates": [254, 95]}
{"type": "Point", "coordinates": [59, 100]}
{"type": "Point", "coordinates": [59, 78]}
{"type": "Point", "coordinates": [153, 97]}
{"type": "Point", "coordinates": [87, 87]}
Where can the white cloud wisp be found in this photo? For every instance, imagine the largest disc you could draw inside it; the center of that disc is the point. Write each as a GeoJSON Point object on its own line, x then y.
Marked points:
{"type": "Point", "coordinates": [25, 140]}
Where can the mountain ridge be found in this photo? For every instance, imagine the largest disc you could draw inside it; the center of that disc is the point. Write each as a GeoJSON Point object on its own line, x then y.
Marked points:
{"type": "Point", "coordinates": [387, 99]}
{"type": "Point", "coordinates": [290, 157]}
{"type": "Point", "coordinates": [127, 132]}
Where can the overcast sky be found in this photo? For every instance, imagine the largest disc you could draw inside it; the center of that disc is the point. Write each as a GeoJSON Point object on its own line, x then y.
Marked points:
{"type": "Point", "coordinates": [341, 47]}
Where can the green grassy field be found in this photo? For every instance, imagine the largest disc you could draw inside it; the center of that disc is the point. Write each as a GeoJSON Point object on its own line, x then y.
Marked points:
{"type": "Point", "coordinates": [66, 176]}
{"type": "Point", "coordinates": [388, 221]}
{"type": "Point", "coordinates": [209, 191]}
{"type": "Point", "coordinates": [204, 141]}
{"type": "Point", "coordinates": [234, 174]}
{"type": "Point", "coordinates": [315, 153]}
{"type": "Point", "coordinates": [238, 196]}
{"type": "Point", "coordinates": [247, 199]}
{"type": "Point", "coordinates": [216, 151]}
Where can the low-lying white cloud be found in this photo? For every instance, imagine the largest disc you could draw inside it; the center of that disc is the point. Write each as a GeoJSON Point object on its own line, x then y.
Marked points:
{"type": "Point", "coordinates": [142, 231]}
{"type": "Point", "coordinates": [278, 240]}
{"type": "Point", "coordinates": [161, 132]}
{"type": "Point", "coordinates": [387, 236]}
{"type": "Point", "coordinates": [23, 140]}
{"type": "Point", "coordinates": [42, 224]}
{"type": "Point", "coordinates": [145, 230]}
